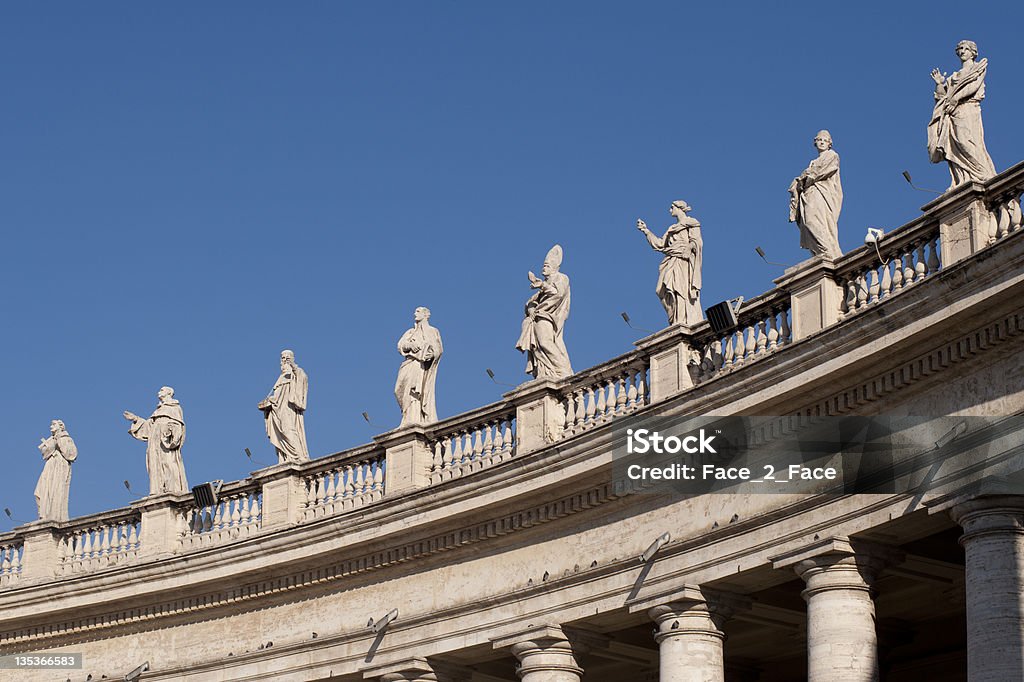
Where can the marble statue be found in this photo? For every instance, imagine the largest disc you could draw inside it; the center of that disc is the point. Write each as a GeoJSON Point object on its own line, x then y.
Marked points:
{"type": "Point", "coordinates": [815, 200]}
{"type": "Point", "coordinates": [164, 433]}
{"type": "Point", "coordinates": [955, 133]}
{"type": "Point", "coordinates": [679, 273]}
{"type": "Point", "coordinates": [542, 336]}
{"type": "Point", "coordinates": [414, 388]}
{"type": "Point", "coordinates": [283, 411]}
{"type": "Point", "coordinates": [54, 484]}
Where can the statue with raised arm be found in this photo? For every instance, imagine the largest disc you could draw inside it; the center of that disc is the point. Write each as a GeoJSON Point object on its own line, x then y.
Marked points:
{"type": "Point", "coordinates": [54, 484]}
{"type": "Point", "coordinates": [164, 434]}
{"type": "Point", "coordinates": [414, 388]}
{"type": "Point", "coordinates": [815, 200]}
{"type": "Point", "coordinates": [542, 337]}
{"type": "Point", "coordinates": [679, 279]}
{"type": "Point", "coordinates": [955, 133]}
{"type": "Point", "coordinates": [283, 411]}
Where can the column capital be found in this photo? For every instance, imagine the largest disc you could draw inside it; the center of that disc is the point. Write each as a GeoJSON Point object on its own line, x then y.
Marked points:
{"type": "Point", "coordinates": [416, 669]}
{"type": "Point", "coordinates": [545, 648]}
{"type": "Point", "coordinates": [838, 563]}
{"type": "Point", "coordinates": [984, 514]}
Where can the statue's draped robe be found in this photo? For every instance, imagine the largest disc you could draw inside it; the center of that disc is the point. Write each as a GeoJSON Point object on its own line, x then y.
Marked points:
{"type": "Point", "coordinates": [542, 334]}
{"type": "Point", "coordinates": [958, 137]}
{"type": "Point", "coordinates": [815, 208]}
{"type": "Point", "coordinates": [679, 280]}
{"type": "Point", "coordinates": [164, 433]}
{"type": "Point", "coordinates": [54, 484]}
{"type": "Point", "coordinates": [286, 425]}
{"type": "Point", "coordinates": [414, 388]}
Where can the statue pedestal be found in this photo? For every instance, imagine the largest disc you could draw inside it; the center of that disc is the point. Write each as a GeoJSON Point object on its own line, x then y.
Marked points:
{"type": "Point", "coordinates": [408, 459]}
{"type": "Point", "coordinates": [540, 416]}
{"type": "Point", "coordinates": [671, 351]}
{"type": "Point", "coordinates": [965, 223]}
{"type": "Point", "coordinates": [815, 296]}
{"type": "Point", "coordinates": [284, 494]}
{"type": "Point", "coordinates": [40, 558]}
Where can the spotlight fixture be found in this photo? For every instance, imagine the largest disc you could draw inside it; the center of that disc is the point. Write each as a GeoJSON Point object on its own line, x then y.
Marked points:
{"type": "Point", "coordinates": [649, 553]}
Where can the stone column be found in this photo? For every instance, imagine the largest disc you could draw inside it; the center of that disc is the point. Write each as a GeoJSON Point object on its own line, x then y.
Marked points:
{"type": "Point", "coordinates": [841, 642]}
{"type": "Point", "coordinates": [689, 638]}
{"type": "Point", "coordinates": [993, 543]}
{"type": "Point", "coordinates": [544, 654]}
{"type": "Point", "coordinates": [689, 631]}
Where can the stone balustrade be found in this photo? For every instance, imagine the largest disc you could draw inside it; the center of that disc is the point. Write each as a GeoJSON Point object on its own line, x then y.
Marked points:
{"type": "Point", "coordinates": [95, 542]}
{"type": "Point", "coordinates": [10, 558]}
{"type": "Point", "coordinates": [808, 299]}
{"type": "Point", "coordinates": [603, 393]}
{"type": "Point", "coordinates": [237, 514]}
{"type": "Point", "coordinates": [343, 482]}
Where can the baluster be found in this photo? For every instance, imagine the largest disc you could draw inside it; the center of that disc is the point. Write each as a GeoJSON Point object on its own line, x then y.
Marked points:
{"type": "Point", "coordinates": [921, 266]}
{"type": "Point", "coordinates": [254, 508]}
{"type": "Point", "coordinates": [730, 353]}
{"type": "Point", "coordinates": [850, 304]}
{"type": "Point", "coordinates": [378, 477]}
{"type": "Point", "coordinates": [620, 393]}
{"type": "Point", "coordinates": [360, 482]}
{"type": "Point", "coordinates": [762, 338]}
{"type": "Point", "coordinates": [236, 512]}
{"type": "Point", "coordinates": [602, 403]}
{"type": "Point", "coordinates": [437, 461]}
{"type": "Point", "coordinates": [631, 390]}
{"type": "Point", "coordinates": [886, 288]}
{"type": "Point", "coordinates": [104, 532]}
{"type": "Point", "coordinates": [478, 444]}
{"type": "Point", "coordinates": [773, 333]}
{"type": "Point", "coordinates": [5, 567]}
{"type": "Point", "coordinates": [908, 266]}
{"type": "Point", "coordinates": [117, 538]}
{"type": "Point", "coordinates": [591, 405]}
{"type": "Point", "coordinates": [133, 536]}
{"type": "Point", "coordinates": [579, 409]}
{"type": "Point", "coordinates": [862, 290]}
{"type": "Point", "coordinates": [86, 544]}
{"type": "Point", "coordinates": [457, 455]}
{"type": "Point", "coordinates": [873, 286]}
{"type": "Point", "coordinates": [507, 436]}
{"type": "Point", "coordinates": [208, 520]}
{"type": "Point", "coordinates": [751, 342]}
{"type": "Point", "coordinates": [612, 398]}
{"type": "Point", "coordinates": [331, 479]}
{"type": "Point", "coordinates": [449, 458]}
{"type": "Point", "coordinates": [933, 255]}
{"type": "Point", "coordinates": [897, 273]}
{"type": "Point", "coordinates": [641, 388]}
{"type": "Point", "coordinates": [488, 439]}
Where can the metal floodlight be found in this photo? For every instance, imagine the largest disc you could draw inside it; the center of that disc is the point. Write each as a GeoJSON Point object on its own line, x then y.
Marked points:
{"type": "Point", "coordinates": [649, 553]}
{"type": "Point", "coordinates": [205, 494]}
{"type": "Point", "coordinates": [625, 318]}
{"type": "Point", "coordinates": [906, 176]}
{"type": "Point", "coordinates": [137, 673]}
{"type": "Point", "coordinates": [376, 627]}
{"type": "Point", "coordinates": [760, 252]}
{"type": "Point", "coordinates": [490, 373]}
{"type": "Point", "coordinates": [951, 435]}
{"type": "Point", "coordinates": [722, 316]}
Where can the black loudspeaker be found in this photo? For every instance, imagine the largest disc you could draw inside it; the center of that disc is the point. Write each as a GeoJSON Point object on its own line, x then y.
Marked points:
{"type": "Point", "coordinates": [721, 317]}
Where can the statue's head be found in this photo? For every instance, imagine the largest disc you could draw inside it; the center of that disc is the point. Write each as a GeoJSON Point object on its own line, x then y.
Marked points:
{"type": "Point", "coordinates": [165, 393]}
{"type": "Point", "coordinates": [552, 261]}
{"type": "Point", "coordinates": [421, 314]}
{"type": "Point", "coordinates": [823, 140]}
{"type": "Point", "coordinates": [679, 208]}
{"type": "Point", "coordinates": [56, 426]}
{"type": "Point", "coordinates": [969, 46]}
{"type": "Point", "coordinates": [287, 359]}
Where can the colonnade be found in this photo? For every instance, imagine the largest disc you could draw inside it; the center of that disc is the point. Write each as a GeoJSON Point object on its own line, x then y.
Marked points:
{"type": "Point", "coordinates": [839, 576]}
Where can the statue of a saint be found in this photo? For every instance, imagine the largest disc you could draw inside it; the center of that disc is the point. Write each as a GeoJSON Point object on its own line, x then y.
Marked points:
{"type": "Point", "coordinates": [414, 388]}
{"type": "Point", "coordinates": [54, 484]}
{"type": "Point", "coordinates": [815, 200]}
{"type": "Point", "coordinates": [164, 433]}
{"type": "Point", "coordinates": [546, 311]}
{"type": "Point", "coordinates": [679, 273]}
{"type": "Point", "coordinates": [283, 411]}
{"type": "Point", "coordinates": [955, 133]}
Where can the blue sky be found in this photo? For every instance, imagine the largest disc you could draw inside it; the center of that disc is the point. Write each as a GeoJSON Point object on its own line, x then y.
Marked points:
{"type": "Point", "coordinates": [187, 188]}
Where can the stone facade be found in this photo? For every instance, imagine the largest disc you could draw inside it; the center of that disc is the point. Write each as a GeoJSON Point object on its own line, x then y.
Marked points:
{"type": "Point", "coordinates": [510, 553]}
